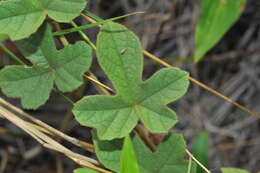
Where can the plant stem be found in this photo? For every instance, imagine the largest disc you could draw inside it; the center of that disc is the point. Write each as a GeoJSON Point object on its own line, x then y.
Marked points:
{"type": "Point", "coordinates": [99, 85]}
{"type": "Point", "coordinates": [11, 54]}
{"type": "Point", "coordinates": [189, 165]}
{"type": "Point", "coordinates": [62, 38]}
{"type": "Point", "coordinates": [67, 31]}
{"type": "Point", "coordinates": [142, 132]}
{"type": "Point", "coordinates": [84, 36]}
{"type": "Point", "coordinates": [64, 96]}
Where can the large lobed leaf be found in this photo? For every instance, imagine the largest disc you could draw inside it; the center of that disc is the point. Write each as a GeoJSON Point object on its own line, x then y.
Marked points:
{"type": "Point", "coordinates": [167, 159]}
{"type": "Point", "coordinates": [33, 84]}
{"type": "Point", "coordinates": [120, 56]}
{"type": "Point", "coordinates": [21, 18]}
{"type": "Point", "coordinates": [216, 17]}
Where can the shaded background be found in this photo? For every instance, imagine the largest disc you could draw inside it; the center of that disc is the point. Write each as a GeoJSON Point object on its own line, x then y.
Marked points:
{"type": "Point", "coordinates": [167, 30]}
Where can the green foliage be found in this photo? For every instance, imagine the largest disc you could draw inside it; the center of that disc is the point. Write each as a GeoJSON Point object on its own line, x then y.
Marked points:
{"type": "Point", "coordinates": [34, 84]}
{"type": "Point", "coordinates": [216, 18]}
{"type": "Point", "coordinates": [84, 170]}
{"type": "Point", "coordinates": [3, 37]}
{"type": "Point", "coordinates": [120, 56]}
{"type": "Point", "coordinates": [128, 159]}
{"type": "Point", "coordinates": [233, 170]}
{"type": "Point", "coordinates": [167, 159]}
{"type": "Point", "coordinates": [21, 18]}
{"type": "Point", "coordinates": [200, 149]}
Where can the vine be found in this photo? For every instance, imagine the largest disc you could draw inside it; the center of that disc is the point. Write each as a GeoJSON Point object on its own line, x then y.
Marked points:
{"type": "Point", "coordinates": [120, 121]}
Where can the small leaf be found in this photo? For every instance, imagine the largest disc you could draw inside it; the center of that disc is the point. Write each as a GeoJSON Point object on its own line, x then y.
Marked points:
{"type": "Point", "coordinates": [128, 159]}
{"type": "Point", "coordinates": [215, 20]}
{"type": "Point", "coordinates": [167, 159]}
{"type": "Point", "coordinates": [84, 170]}
{"type": "Point", "coordinates": [21, 18]}
{"type": "Point", "coordinates": [33, 84]}
{"type": "Point", "coordinates": [233, 170]}
{"type": "Point", "coordinates": [200, 149]}
{"type": "Point", "coordinates": [120, 55]}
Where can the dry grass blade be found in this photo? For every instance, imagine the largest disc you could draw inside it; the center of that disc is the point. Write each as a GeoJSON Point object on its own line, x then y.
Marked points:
{"type": "Point", "coordinates": [101, 86]}
{"type": "Point", "coordinates": [50, 143]}
{"type": "Point", "coordinates": [48, 128]}
{"type": "Point", "coordinates": [198, 162]}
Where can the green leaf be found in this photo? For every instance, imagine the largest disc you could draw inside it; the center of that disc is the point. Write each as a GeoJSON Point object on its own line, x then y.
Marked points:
{"type": "Point", "coordinates": [200, 149]}
{"type": "Point", "coordinates": [128, 159]}
{"type": "Point", "coordinates": [13, 15]}
{"type": "Point", "coordinates": [109, 152]}
{"type": "Point", "coordinates": [21, 18]}
{"type": "Point", "coordinates": [120, 56]}
{"type": "Point", "coordinates": [167, 159]}
{"type": "Point", "coordinates": [3, 37]}
{"type": "Point", "coordinates": [233, 170]}
{"type": "Point", "coordinates": [33, 84]}
{"type": "Point", "coordinates": [215, 20]}
{"type": "Point", "coordinates": [64, 10]}
{"type": "Point", "coordinates": [84, 170]}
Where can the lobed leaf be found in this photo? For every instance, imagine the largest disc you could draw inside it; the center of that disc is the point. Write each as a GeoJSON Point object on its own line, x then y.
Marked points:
{"type": "Point", "coordinates": [33, 85]}
{"type": "Point", "coordinates": [167, 159]}
{"type": "Point", "coordinates": [64, 68]}
{"type": "Point", "coordinates": [119, 54]}
{"type": "Point", "coordinates": [215, 19]}
{"type": "Point", "coordinates": [21, 18]}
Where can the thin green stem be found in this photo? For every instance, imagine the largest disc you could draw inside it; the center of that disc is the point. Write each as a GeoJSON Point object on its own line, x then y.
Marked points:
{"type": "Point", "coordinates": [79, 28]}
{"type": "Point", "coordinates": [64, 96]}
{"type": "Point", "coordinates": [11, 54]}
{"type": "Point", "coordinates": [68, 116]}
{"type": "Point", "coordinates": [189, 165]}
{"type": "Point", "coordinates": [62, 37]}
{"type": "Point", "coordinates": [84, 36]}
